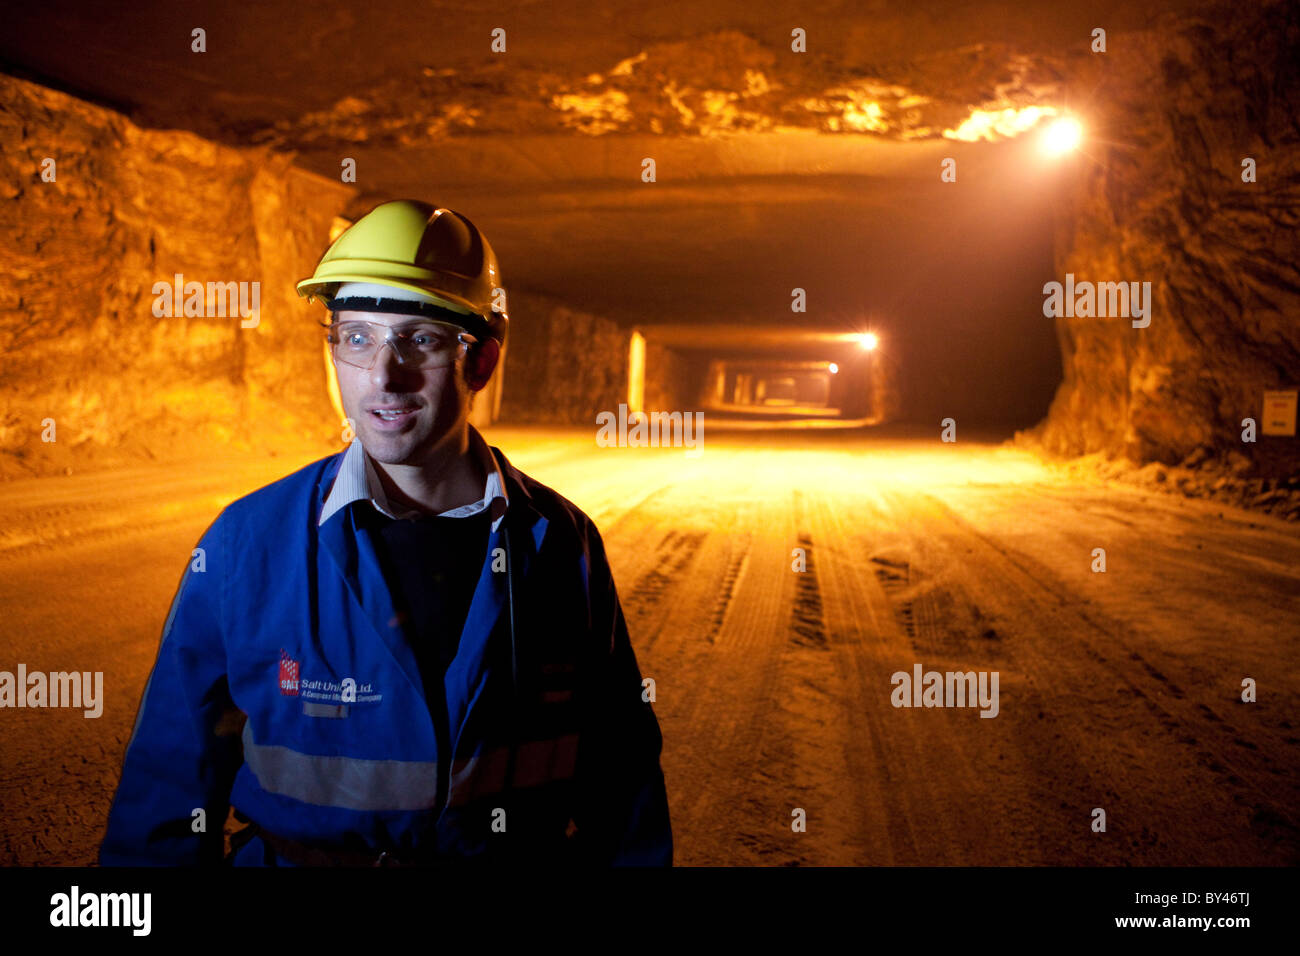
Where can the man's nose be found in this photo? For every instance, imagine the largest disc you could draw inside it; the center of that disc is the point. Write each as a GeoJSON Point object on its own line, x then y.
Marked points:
{"type": "Point", "coordinates": [388, 363]}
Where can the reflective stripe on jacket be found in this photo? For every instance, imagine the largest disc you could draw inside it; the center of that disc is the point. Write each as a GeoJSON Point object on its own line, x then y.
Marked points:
{"type": "Point", "coordinates": [284, 685]}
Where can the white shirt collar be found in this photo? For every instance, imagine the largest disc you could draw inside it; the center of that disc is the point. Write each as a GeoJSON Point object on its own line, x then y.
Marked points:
{"type": "Point", "coordinates": [358, 481]}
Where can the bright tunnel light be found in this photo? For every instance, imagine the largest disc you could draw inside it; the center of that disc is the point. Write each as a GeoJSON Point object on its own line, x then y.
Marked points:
{"type": "Point", "coordinates": [993, 125]}
{"type": "Point", "coordinates": [868, 341]}
{"type": "Point", "coordinates": [1061, 136]}
{"type": "Point", "coordinates": [833, 368]}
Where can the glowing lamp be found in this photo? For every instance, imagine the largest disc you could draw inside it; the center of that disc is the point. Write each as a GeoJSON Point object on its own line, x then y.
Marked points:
{"type": "Point", "coordinates": [1062, 136]}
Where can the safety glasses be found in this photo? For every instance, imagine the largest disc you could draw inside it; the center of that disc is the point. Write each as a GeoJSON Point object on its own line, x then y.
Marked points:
{"type": "Point", "coordinates": [423, 344]}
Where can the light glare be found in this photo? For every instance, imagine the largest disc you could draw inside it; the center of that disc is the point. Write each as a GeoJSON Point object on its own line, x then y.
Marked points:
{"type": "Point", "coordinates": [1062, 136]}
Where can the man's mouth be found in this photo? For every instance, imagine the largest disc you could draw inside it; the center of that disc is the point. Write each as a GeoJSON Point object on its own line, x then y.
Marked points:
{"type": "Point", "coordinates": [393, 413]}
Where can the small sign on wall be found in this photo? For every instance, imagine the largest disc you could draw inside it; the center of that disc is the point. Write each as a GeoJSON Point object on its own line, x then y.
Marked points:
{"type": "Point", "coordinates": [1279, 413]}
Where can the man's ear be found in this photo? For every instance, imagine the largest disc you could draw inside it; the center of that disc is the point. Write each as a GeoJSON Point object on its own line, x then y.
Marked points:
{"type": "Point", "coordinates": [481, 362]}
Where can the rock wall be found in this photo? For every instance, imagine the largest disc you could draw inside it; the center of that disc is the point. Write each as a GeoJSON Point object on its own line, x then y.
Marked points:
{"type": "Point", "coordinates": [674, 379]}
{"type": "Point", "coordinates": [1171, 115]}
{"type": "Point", "coordinates": [562, 365]}
{"type": "Point", "coordinates": [80, 255]}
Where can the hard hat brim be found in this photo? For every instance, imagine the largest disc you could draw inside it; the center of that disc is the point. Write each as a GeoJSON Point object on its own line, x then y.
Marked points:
{"type": "Point", "coordinates": [325, 288]}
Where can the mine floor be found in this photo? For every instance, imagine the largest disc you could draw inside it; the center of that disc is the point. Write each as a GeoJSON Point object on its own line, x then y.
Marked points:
{"type": "Point", "coordinates": [1118, 690]}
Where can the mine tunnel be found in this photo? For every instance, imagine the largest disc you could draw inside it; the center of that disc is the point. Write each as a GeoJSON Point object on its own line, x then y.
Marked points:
{"type": "Point", "coordinates": [974, 332]}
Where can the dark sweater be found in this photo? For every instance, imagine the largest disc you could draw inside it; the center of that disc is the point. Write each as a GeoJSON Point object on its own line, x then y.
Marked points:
{"type": "Point", "coordinates": [432, 565]}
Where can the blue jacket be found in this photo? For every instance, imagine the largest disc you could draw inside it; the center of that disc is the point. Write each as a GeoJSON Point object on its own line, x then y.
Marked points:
{"type": "Point", "coordinates": [284, 686]}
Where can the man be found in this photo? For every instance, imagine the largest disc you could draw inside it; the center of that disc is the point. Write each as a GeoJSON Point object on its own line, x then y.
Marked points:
{"type": "Point", "coordinates": [407, 652]}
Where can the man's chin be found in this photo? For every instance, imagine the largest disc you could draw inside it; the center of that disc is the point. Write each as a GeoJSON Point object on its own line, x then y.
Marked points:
{"type": "Point", "coordinates": [401, 449]}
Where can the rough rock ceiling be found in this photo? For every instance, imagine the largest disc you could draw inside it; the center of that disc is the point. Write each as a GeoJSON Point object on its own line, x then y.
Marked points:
{"type": "Point", "coordinates": [406, 73]}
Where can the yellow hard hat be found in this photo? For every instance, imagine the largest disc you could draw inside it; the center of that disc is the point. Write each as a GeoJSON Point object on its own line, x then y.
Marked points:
{"type": "Point", "coordinates": [421, 248]}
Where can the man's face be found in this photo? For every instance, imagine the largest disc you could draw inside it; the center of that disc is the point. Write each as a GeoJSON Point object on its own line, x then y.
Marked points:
{"type": "Point", "coordinates": [431, 401]}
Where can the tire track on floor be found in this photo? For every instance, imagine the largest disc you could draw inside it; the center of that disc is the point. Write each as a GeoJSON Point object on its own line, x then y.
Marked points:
{"type": "Point", "coordinates": [939, 800]}
{"type": "Point", "coordinates": [733, 717]}
{"type": "Point", "coordinates": [1219, 746]}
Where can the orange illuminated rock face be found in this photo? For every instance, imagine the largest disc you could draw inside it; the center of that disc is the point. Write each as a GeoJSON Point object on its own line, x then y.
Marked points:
{"type": "Point", "coordinates": [563, 365]}
{"type": "Point", "coordinates": [125, 208]}
{"type": "Point", "coordinates": [1163, 199]}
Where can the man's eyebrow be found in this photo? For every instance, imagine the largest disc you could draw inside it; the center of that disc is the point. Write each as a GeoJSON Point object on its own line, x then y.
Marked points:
{"type": "Point", "coordinates": [417, 323]}
{"type": "Point", "coordinates": [425, 323]}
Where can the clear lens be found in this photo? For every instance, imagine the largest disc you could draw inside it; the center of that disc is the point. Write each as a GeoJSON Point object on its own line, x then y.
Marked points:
{"type": "Point", "coordinates": [421, 344]}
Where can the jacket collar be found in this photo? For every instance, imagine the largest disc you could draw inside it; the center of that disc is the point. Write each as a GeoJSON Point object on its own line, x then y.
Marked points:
{"type": "Point", "coordinates": [357, 480]}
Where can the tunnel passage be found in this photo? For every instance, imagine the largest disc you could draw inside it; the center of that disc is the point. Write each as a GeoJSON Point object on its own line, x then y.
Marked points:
{"type": "Point", "coordinates": [764, 373]}
{"type": "Point", "coordinates": [775, 172]}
